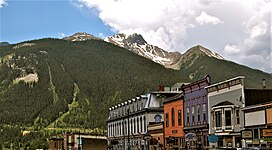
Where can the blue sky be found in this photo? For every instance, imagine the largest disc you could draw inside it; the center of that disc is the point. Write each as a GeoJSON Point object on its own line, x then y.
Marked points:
{"type": "Point", "coordinates": [27, 20]}
{"type": "Point", "coordinates": [238, 30]}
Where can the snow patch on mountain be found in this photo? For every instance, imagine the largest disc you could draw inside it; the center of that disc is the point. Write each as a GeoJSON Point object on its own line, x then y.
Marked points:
{"type": "Point", "coordinates": [210, 53]}
{"type": "Point", "coordinates": [174, 60]}
{"type": "Point", "coordinates": [138, 45]}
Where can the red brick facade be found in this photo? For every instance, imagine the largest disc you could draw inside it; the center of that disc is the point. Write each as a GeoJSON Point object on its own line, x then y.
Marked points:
{"type": "Point", "coordinates": [173, 122]}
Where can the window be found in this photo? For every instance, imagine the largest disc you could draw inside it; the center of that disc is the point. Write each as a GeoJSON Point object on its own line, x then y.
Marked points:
{"type": "Point", "coordinates": [125, 127]}
{"type": "Point", "coordinates": [237, 117]}
{"type": "Point", "coordinates": [141, 124]}
{"type": "Point", "coordinates": [138, 127]}
{"type": "Point", "coordinates": [193, 114]}
{"type": "Point", "coordinates": [134, 131]}
{"type": "Point", "coordinates": [145, 124]}
{"type": "Point", "coordinates": [179, 117]}
{"type": "Point", "coordinates": [255, 133]}
{"type": "Point", "coordinates": [204, 112]}
{"type": "Point", "coordinates": [188, 114]}
{"type": "Point", "coordinates": [166, 120]}
{"type": "Point", "coordinates": [228, 117]}
{"type": "Point", "coordinates": [198, 113]}
{"type": "Point", "coordinates": [158, 118]}
{"type": "Point", "coordinates": [218, 119]}
{"type": "Point", "coordinates": [173, 116]}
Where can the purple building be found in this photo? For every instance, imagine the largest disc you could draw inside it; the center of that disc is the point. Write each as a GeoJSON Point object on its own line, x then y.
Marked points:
{"type": "Point", "coordinates": [196, 128]}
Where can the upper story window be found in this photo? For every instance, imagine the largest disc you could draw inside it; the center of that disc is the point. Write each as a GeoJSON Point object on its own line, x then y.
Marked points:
{"type": "Point", "coordinates": [188, 114]}
{"type": "Point", "coordinates": [237, 116]}
{"type": "Point", "coordinates": [228, 118]}
{"type": "Point", "coordinates": [167, 120]}
{"type": "Point", "coordinates": [218, 118]}
{"type": "Point", "coordinates": [173, 116]}
{"type": "Point", "coordinates": [193, 114]}
{"type": "Point", "coordinates": [179, 117]}
{"type": "Point", "coordinates": [198, 112]}
{"type": "Point", "coordinates": [204, 112]}
{"type": "Point", "coordinates": [157, 118]}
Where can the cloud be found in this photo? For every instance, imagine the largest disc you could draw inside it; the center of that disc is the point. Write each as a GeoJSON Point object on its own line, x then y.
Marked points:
{"type": "Point", "coordinates": [232, 49]}
{"type": "Point", "coordinates": [177, 25]}
{"type": "Point", "coordinates": [61, 35]}
{"type": "Point", "coordinates": [2, 3]}
{"type": "Point", "coordinates": [258, 30]}
{"type": "Point", "coordinates": [204, 18]}
{"type": "Point", "coordinates": [101, 35]}
{"type": "Point", "coordinates": [255, 48]}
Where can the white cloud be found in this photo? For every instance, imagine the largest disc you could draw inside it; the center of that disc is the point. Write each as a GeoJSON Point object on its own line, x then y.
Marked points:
{"type": "Point", "coordinates": [175, 25]}
{"type": "Point", "coordinates": [204, 18]}
{"type": "Point", "coordinates": [232, 49]}
{"type": "Point", "coordinates": [255, 48]}
{"type": "Point", "coordinates": [62, 35]}
{"type": "Point", "coordinates": [101, 35]}
{"type": "Point", "coordinates": [259, 30]}
{"type": "Point", "coordinates": [2, 3]}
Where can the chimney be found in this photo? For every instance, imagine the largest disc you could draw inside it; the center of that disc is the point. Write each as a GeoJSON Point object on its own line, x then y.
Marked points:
{"type": "Point", "coordinates": [264, 84]}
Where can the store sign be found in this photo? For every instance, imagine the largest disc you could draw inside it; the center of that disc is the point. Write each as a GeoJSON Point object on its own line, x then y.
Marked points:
{"type": "Point", "coordinates": [247, 134]}
{"type": "Point", "coordinates": [267, 132]}
{"type": "Point", "coordinates": [190, 137]}
{"type": "Point", "coordinates": [213, 138]}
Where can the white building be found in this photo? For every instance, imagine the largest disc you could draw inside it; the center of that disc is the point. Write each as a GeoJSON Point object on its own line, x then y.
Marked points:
{"type": "Point", "coordinates": [225, 100]}
{"type": "Point", "coordinates": [128, 121]}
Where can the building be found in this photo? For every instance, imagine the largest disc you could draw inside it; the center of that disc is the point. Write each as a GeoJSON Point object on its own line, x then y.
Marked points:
{"type": "Point", "coordinates": [56, 143]}
{"type": "Point", "coordinates": [258, 118]}
{"type": "Point", "coordinates": [196, 113]}
{"type": "Point", "coordinates": [156, 132]}
{"type": "Point", "coordinates": [225, 100]}
{"type": "Point", "coordinates": [173, 121]}
{"type": "Point", "coordinates": [128, 121]}
{"type": "Point", "coordinates": [77, 141]}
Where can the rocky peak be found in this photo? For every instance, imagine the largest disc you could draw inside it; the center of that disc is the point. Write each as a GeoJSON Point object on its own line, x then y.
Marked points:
{"type": "Point", "coordinates": [136, 38]}
{"type": "Point", "coordinates": [137, 44]}
{"type": "Point", "coordinates": [204, 51]}
{"type": "Point", "coordinates": [81, 36]}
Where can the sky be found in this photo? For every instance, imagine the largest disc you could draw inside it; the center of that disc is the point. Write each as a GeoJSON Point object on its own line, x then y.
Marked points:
{"type": "Point", "coordinates": [238, 30]}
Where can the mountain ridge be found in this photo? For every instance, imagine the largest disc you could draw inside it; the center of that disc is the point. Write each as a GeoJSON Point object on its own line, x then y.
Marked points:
{"type": "Point", "coordinates": [137, 44]}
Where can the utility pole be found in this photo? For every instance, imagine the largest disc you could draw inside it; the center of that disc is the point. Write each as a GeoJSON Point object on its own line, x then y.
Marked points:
{"type": "Point", "coordinates": [128, 130]}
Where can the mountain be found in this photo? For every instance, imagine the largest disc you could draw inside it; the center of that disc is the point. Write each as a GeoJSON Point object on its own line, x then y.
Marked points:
{"type": "Point", "coordinates": [4, 44]}
{"type": "Point", "coordinates": [72, 84]}
{"type": "Point", "coordinates": [138, 45]}
{"type": "Point", "coordinates": [81, 36]}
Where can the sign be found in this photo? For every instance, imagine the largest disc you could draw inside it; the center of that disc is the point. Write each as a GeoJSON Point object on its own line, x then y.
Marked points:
{"type": "Point", "coordinates": [174, 131]}
{"type": "Point", "coordinates": [190, 137]}
{"type": "Point", "coordinates": [267, 132]}
{"type": "Point", "coordinates": [147, 137]}
{"type": "Point", "coordinates": [213, 138]}
{"type": "Point", "coordinates": [247, 134]}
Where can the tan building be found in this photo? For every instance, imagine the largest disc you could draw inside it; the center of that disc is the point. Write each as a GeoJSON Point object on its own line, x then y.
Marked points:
{"type": "Point", "coordinates": [75, 141]}
{"type": "Point", "coordinates": [156, 132]}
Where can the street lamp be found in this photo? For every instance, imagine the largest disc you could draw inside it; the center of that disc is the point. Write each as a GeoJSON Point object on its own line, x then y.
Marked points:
{"type": "Point", "coordinates": [147, 137]}
{"type": "Point", "coordinates": [128, 129]}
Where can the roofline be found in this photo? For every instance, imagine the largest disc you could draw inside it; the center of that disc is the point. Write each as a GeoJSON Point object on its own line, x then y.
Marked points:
{"type": "Point", "coordinates": [165, 92]}
{"type": "Point", "coordinates": [197, 82]}
{"type": "Point", "coordinates": [257, 106]}
{"type": "Point", "coordinates": [238, 77]}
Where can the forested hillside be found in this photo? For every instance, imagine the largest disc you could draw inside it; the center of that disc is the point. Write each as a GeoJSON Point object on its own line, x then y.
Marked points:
{"type": "Point", "coordinates": [78, 81]}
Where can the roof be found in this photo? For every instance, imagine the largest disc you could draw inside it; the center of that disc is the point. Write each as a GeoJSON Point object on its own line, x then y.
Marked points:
{"type": "Point", "coordinates": [207, 79]}
{"type": "Point", "coordinates": [239, 77]}
{"type": "Point", "coordinates": [173, 98]}
{"type": "Point", "coordinates": [257, 96]}
{"type": "Point", "coordinates": [223, 104]}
